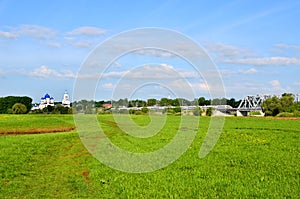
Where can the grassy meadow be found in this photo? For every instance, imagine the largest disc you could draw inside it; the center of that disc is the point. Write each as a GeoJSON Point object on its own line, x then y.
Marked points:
{"type": "Point", "coordinates": [254, 158]}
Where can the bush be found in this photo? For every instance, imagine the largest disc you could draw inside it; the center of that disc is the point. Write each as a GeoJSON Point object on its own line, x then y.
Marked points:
{"type": "Point", "coordinates": [131, 111]}
{"type": "Point", "coordinates": [145, 110]}
{"type": "Point", "coordinates": [254, 113]}
{"type": "Point", "coordinates": [296, 113]}
{"type": "Point", "coordinates": [138, 112]}
{"type": "Point", "coordinates": [285, 114]}
{"type": "Point", "coordinates": [209, 111]}
{"type": "Point", "coordinates": [197, 111]}
{"type": "Point", "coordinates": [19, 108]}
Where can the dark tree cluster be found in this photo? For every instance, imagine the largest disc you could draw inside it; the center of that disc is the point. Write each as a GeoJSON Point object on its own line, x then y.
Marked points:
{"type": "Point", "coordinates": [275, 106]}
{"type": "Point", "coordinates": [7, 103]}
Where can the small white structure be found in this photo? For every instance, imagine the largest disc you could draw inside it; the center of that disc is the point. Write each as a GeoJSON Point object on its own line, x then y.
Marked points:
{"type": "Point", "coordinates": [47, 100]}
{"type": "Point", "coordinates": [35, 107]}
{"type": "Point", "coordinates": [65, 101]}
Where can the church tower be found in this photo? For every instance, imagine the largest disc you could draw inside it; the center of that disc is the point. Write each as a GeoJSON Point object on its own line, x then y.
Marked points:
{"type": "Point", "coordinates": [66, 102]}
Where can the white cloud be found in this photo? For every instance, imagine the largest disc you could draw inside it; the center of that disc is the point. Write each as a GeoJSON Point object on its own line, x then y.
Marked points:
{"type": "Point", "coordinates": [88, 31]}
{"type": "Point", "coordinates": [2, 73]}
{"type": "Point", "coordinates": [287, 46]}
{"type": "Point", "coordinates": [108, 86]}
{"type": "Point", "coordinates": [45, 72]}
{"type": "Point", "coordinates": [222, 51]}
{"type": "Point", "coordinates": [243, 72]}
{"type": "Point", "coordinates": [114, 74]}
{"type": "Point", "coordinates": [83, 44]}
{"type": "Point", "coordinates": [154, 52]}
{"type": "Point", "coordinates": [35, 31]}
{"type": "Point", "coordinates": [8, 35]}
{"type": "Point", "coordinates": [276, 85]}
{"type": "Point", "coordinates": [250, 71]}
{"type": "Point", "coordinates": [69, 39]}
{"type": "Point", "coordinates": [297, 83]}
{"type": "Point", "coordinates": [54, 44]}
{"type": "Point", "coordinates": [273, 61]}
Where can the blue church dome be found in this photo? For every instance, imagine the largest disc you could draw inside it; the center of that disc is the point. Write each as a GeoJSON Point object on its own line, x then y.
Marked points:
{"type": "Point", "coordinates": [47, 96]}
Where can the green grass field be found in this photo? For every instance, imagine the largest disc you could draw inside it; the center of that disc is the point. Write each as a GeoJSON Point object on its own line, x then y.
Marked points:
{"type": "Point", "coordinates": [254, 158]}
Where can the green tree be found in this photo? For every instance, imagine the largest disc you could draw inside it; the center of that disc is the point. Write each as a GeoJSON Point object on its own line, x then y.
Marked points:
{"type": "Point", "coordinates": [272, 106]}
{"type": "Point", "coordinates": [209, 111]}
{"type": "Point", "coordinates": [203, 102]}
{"type": "Point", "coordinates": [19, 108]}
{"type": "Point", "coordinates": [151, 102]}
{"type": "Point", "coordinates": [145, 110]}
{"type": "Point", "coordinates": [165, 102]}
{"type": "Point", "coordinates": [287, 101]}
{"type": "Point", "coordinates": [6, 103]}
{"type": "Point", "coordinates": [48, 109]}
{"type": "Point", "coordinates": [197, 111]}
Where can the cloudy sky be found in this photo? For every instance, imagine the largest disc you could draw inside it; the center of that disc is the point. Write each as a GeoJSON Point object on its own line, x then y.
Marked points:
{"type": "Point", "coordinates": [255, 46]}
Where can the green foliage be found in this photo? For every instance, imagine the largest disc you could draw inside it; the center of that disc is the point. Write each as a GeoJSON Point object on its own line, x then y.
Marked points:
{"type": "Point", "coordinates": [6, 103]}
{"type": "Point", "coordinates": [137, 103]}
{"type": "Point", "coordinates": [209, 111]}
{"type": "Point", "coordinates": [203, 102]}
{"type": "Point", "coordinates": [151, 102]}
{"type": "Point", "coordinates": [48, 109]}
{"type": "Point", "coordinates": [19, 108]}
{"type": "Point", "coordinates": [286, 101]}
{"type": "Point", "coordinates": [233, 103]}
{"type": "Point", "coordinates": [285, 114]}
{"type": "Point", "coordinates": [145, 110]}
{"type": "Point", "coordinates": [197, 111]}
{"type": "Point", "coordinates": [254, 113]}
{"type": "Point", "coordinates": [274, 106]}
{"type": "Point", "coordinates": [171, 111]}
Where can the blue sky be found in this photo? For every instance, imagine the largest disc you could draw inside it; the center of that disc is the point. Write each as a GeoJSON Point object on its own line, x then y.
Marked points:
{"type": "Point", "coordinates": [254, 44]}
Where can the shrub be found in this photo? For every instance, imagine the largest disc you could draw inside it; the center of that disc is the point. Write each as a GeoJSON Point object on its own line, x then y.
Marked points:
{"type": "Point", "coordinates": [197, 111]}
{"type": "Point", "coordinates": [254, 113]}
{"type": "Point", "coordinates": [296, 113]}
{"type": "Point", "coordinates": [19, 108]}
{"type": "Point", "coordinates": [209, 111]}
{"type": "Point", "coordinates": [145, 110]}
{"type": "Point", "coordinates": [285, 114]}
{"type": "Point", "coordinates": [138, 112]}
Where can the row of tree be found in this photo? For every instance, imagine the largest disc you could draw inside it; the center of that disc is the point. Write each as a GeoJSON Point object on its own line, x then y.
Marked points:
{"type": "Point", "coordinates": [15, 104]}
{"type": "Point", "coordinates": [285, 106]}
{"type": "Point", "coordinates": [22, 105]}
{"type": "Point", "coordinates": [155, 102]}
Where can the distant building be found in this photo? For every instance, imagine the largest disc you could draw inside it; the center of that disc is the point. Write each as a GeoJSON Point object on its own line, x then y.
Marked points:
{"type": "Point", "coordinates": [47, 100]}
{"type": "Point", "coordinates": [107, 106]}
{"type": "Point", "coordinates": [66, 102]}
{"type": "Point", "coordinates": [35, 107]}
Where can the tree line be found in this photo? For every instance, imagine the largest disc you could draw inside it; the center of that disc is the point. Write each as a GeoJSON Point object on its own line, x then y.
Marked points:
{"type": "Point", "coordinates": [284, 106]}
{"type": "Point", "coordinates": [23, 105]}
{"type": "Point", "coordinates": [15, 104]}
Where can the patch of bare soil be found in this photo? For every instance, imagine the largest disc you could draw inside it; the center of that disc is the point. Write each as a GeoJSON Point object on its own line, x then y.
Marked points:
{"type": "Point", "coordinates": [35, 131]}
{"type": "Point", "coordinates": [286, 118]}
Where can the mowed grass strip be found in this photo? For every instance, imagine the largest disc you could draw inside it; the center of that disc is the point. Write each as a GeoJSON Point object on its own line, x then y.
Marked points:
{"type": "Point", "coordinates": [35, 124]}
{"type": "Point", "coordinates": [254, 158]}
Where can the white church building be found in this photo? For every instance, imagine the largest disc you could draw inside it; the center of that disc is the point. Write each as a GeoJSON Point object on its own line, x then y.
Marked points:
{"type": "Point", "coordinates": [47, 100]}
{"type": "Point", "coordinates": [65, 101]}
